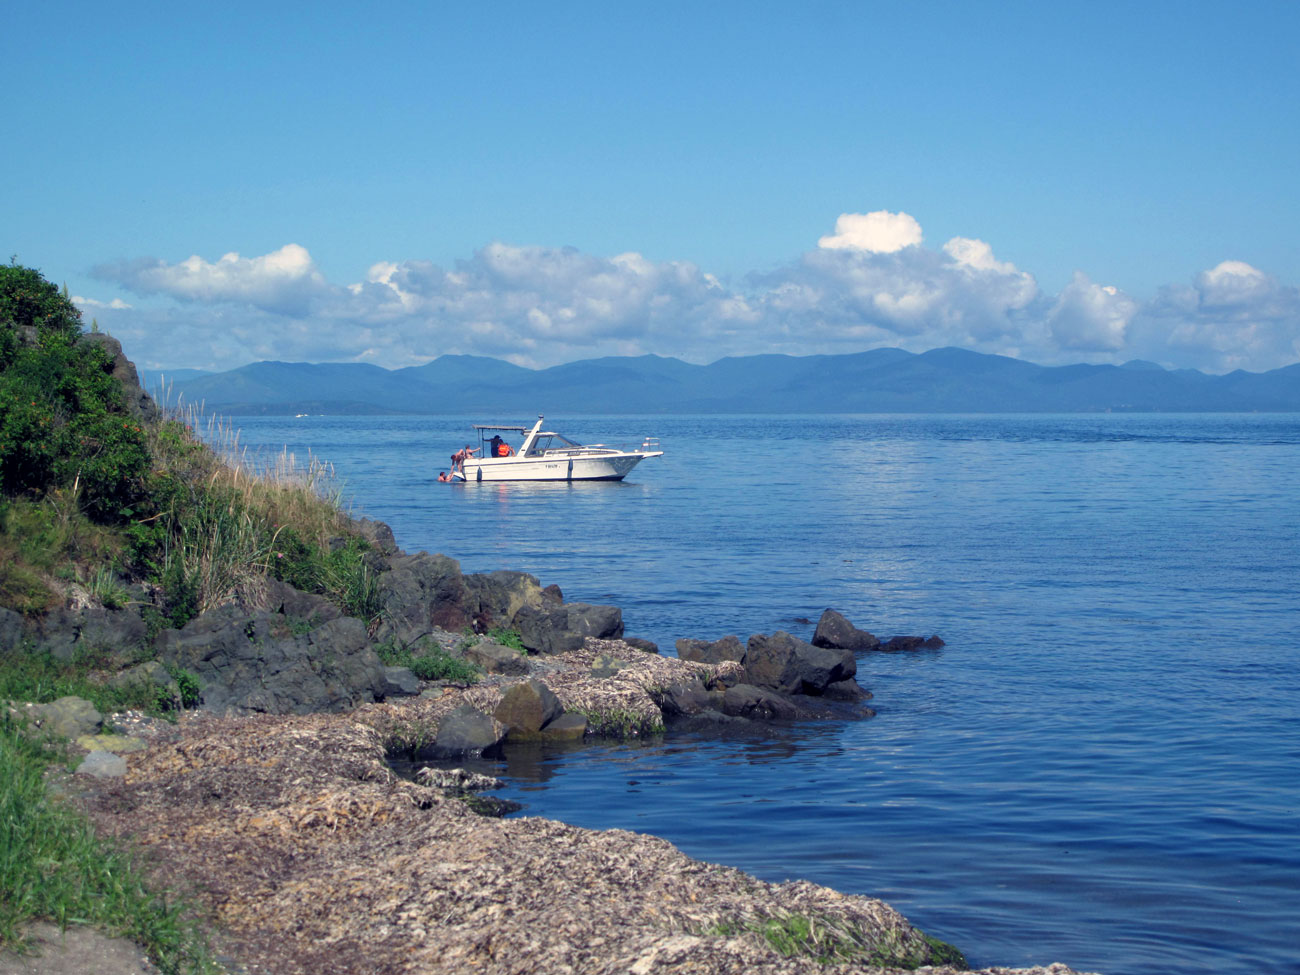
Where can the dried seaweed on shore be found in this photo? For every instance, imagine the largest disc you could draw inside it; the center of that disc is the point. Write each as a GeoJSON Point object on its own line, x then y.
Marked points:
{"type": "Point", "coordinates": [313, 857]}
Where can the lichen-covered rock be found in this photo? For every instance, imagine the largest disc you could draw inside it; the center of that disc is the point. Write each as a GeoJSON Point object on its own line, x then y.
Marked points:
{"type": "Point", "coordinates": [527, 707]}
{"type": "Point", "coordinates": [836, 632]}
{"type": "Point", "coordinates": [785, 663]}
{"type": "Point", "coordinates": [68, 717]}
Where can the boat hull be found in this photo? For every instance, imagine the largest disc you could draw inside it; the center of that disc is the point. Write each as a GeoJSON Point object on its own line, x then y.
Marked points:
{"type": "Point", "coordinates": [605, 467]}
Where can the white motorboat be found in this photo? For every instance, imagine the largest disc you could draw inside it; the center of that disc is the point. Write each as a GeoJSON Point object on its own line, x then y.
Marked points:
{"type": "Point", "coordinates": [547, 456]}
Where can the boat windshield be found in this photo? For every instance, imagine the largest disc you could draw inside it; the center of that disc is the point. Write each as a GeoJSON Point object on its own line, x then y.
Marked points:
{"type": "Point", "coordinates": [548, 441]}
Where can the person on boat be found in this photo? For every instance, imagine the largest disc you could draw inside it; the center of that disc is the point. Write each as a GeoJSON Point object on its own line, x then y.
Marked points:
{"type": "Point", "coordinates": [498, 447]}
{"type": "Point", "coordinates": [459, 457]}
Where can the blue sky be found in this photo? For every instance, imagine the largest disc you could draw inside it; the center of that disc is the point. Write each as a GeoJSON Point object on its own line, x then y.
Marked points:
{"type": "Point", "coordinates": [543, 183]}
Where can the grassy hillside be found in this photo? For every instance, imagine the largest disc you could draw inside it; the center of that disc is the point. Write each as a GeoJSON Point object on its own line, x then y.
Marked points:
{"type": "Point", "coordinates": [98, 504]}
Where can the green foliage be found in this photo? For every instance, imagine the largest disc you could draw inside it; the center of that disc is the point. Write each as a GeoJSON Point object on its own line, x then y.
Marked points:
{"type": "Point", "coordinates": [53, 867]}
{"type": "Point", "coordinates": [832, 940]}
{"type": "Point", "coordinates": [507, 637]}
{"type": "Point", "coordinates": [63, 419]}
{"type": "Point", "coordinates": [190, 688]}
{"type": "Point", "coordinates": [429, 662]}
{"type": "Point", "coordinates": [39, 677]}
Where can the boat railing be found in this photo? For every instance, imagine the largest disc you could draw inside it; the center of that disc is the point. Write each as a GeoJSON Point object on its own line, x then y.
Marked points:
{"type": "Point", "coordinates": [648, 444]}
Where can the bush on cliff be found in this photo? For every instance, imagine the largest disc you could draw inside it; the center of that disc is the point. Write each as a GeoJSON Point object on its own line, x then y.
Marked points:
{"type": "Point", "coordinates": [87, 487]}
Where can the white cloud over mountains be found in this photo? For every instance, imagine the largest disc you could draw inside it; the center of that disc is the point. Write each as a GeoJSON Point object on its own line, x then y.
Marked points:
{"type": "Point", "coordinates": [871, 283]}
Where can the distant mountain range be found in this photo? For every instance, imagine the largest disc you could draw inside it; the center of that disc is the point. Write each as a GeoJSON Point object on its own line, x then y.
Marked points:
{"type": "Point", "coordinates": [880, 381]}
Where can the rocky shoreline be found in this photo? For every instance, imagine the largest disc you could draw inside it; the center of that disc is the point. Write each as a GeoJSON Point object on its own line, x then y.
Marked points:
{"type": "Point", "coordinates": [273, 805]}
{"type": "Point", "coordinates": [276, 809]}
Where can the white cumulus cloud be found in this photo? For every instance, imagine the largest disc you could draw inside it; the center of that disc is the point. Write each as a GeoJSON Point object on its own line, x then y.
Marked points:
{"type": "Point", "coordinates": [1090, 317]}
{"type": "Point", "coordinates": [873, 283]}
{"type": "Point", "coordinates": [878, 232]}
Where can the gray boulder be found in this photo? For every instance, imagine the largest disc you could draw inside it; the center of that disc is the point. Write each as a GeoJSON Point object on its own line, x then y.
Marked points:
{"type": "Point", "coordinates": [685, 697]}
{"type": "Point", "coordinates": [467, 731]}
{"type": "Point", "coordinates": [637, 643]}
{"type": "Point", "coordinates": [420, 593]}
{"type": "Point", "coordinates": [527, 708]}
{"type": "Point", "coordinates": [786, 664]}
{"type": "Point", "coordinates": [256, 663]}
{"type": "Point", "coordinates": [557, 629]}
{"type": "Point", "coordinates": [496, 597]}
{"type": "Point", "coordinates": [68, 717]}
{"type": "Point", "coordinates": [496, 659]}
{"type": "Point", "coordinates": [837, 633]}
{"type": "Point", "coordinates": [715, 652]}
{"type": "Point", "coordinates": [66, 633]}
{"type": "Point", "coordinates": [400, 682]}
{"type": "Point", "coordinates": [102, 765]}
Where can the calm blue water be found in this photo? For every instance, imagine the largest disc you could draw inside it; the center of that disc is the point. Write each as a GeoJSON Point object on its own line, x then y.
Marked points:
{"type": "Point", "coordinates": [1103, 765]}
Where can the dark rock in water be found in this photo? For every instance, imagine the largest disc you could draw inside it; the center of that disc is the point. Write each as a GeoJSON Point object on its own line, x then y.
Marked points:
{"type": "Point", "coordinates": [420, 593]}
{"type": "Point", "coordinates": [467, 731]}
{"type": "Point", "coordinates": [684, 698]}
{"type": "Point", "coordinates": [785, 663]}
{"type": "Point", "coordinates": [257, 664]}
{"type": "Point", "coordinates": [139, 403]}
{"type": "Point", "coordinates": [757, 703]}
{"type": "Point", "coordinates": [552, 596]}
{"type": "Point", "coordinates": [713, 723]}
{"type": "Point", "coordinates": [719, 651]}
{"type": "Point", "coordinates": [496, 659]}
{"type": "Point", "coordinates": [901, 644]}
{"type": "Point", "coordinates": [645, 646]}
{"type": "Point", "coordinates": [558, 629]}
{"type": "Point", "coordinates": [835, 632]}
{"type": "Point", "coordinates": [400, 682]}
{"type": "Point", "coordinates": [526, 708]}
{"type": "Point", "coordinates": [567, 727]}
{"type": "Point", "coordinates": [847, 690]}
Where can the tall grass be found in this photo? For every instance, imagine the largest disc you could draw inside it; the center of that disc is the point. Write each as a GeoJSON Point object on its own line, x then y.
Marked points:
{"type": "Point", "coordinates": [53, 867]}
{"type": "Point", "coordinates": [234, 518]}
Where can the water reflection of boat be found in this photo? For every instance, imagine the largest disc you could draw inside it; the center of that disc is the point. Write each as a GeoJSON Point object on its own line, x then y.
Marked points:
{"type": "Point", "coordinates": [547, 456]}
